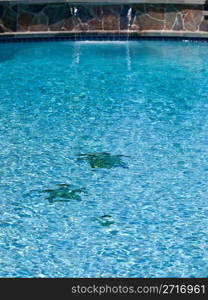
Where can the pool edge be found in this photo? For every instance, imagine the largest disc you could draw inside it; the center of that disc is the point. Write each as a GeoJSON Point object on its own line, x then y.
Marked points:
{"type": "Point", "coordinates": [104, 35]}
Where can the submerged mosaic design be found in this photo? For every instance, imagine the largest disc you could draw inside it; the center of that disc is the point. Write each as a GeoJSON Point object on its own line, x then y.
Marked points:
{"type": "Point", "coordinates": [135, 17]}
{"type": "Point", "coordinates": [103, 160]}
{"type": "Point", "coordinates": [64, 193]}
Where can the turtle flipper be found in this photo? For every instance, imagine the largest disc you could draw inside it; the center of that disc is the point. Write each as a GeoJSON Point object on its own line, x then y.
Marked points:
{"type": "Point", "coordinates": [47, 191]}
{"type": "Point", "coordinates": [124, 165]}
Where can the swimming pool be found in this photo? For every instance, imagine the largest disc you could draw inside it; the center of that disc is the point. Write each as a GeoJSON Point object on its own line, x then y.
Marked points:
{"type": "Point", "coordinates": [104, 159]}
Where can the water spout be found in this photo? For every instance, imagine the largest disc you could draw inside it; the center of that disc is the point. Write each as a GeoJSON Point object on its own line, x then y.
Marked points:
{"type": "Point", "coordinates": [76, 54]}
{"type": "Point", "coordinates": [128, 57]}
{"type": "Point", "coordinates": [129, 14]}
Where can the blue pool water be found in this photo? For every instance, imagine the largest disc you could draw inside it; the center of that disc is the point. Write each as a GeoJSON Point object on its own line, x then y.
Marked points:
{"type": "Point", "coordinates": [146, 216]}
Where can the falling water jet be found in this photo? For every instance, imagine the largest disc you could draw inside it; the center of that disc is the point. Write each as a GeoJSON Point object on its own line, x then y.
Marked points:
{"type": "Point", "coordinates": [128, 57]}
{"type": "Point", "coordinates": [74, 14]}
{"type": "Point", "coordinates": [76, 54]}
{"type": "Point", "coordinates": [129, 21]}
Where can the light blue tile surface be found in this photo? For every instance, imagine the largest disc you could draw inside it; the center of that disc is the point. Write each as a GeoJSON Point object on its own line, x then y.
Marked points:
{"type": "Point", "coordinates": [146, 100]}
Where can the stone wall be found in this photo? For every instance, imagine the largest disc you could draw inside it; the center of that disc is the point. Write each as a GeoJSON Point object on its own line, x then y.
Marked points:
{"type": "Point", "coordinates": [64, 17]}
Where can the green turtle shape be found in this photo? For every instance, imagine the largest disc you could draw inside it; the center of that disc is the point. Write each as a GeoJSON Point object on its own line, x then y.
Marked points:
{"type": "Point", "coordinates": [63, 193]}
{"type": "Point", "coordinates": [105, 220]}
{"type": "Point", "coordinates": [103, 160]}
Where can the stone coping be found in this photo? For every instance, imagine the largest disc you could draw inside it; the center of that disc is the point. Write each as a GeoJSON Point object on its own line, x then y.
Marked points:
{"type": "Point", "coordinates": [199, 2]}
{"type": "Point", "coordinates": [115, 33]}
